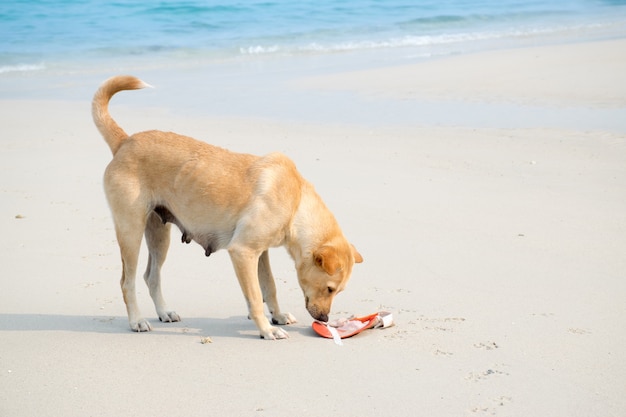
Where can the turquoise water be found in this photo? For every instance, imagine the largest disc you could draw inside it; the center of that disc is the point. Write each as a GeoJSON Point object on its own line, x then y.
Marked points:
{"type": "Point", "coordinates": [36, 35]}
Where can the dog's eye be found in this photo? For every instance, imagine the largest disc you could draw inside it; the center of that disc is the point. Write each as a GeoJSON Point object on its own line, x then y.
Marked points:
{"type": "Point", "coordinates": [331, 290]}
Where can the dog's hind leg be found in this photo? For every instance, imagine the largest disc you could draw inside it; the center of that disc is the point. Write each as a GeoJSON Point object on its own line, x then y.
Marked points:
{"type": "Point", "coordinates": [158, 240]}
{"type": "Point", "coordinates": [129, 230]}
{"type": "Point", "coordinates": [268, 288]}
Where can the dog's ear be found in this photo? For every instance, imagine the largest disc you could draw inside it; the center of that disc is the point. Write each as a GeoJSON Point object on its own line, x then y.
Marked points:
{"type": "Point", "coordinates": [327, 259]}
{"type": "Point", "coordinates": [357, 256]}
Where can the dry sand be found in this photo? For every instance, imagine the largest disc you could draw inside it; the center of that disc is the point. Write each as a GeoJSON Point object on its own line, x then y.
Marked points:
{"type": "Point", "coordinates": [500, 251]}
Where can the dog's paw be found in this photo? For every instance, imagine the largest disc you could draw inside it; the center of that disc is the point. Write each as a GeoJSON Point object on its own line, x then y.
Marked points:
{"type": "Point", "coordinates": [283, 318]}
{"type": "Point", "coordinates": [169, 317]}
{"type": "Point", "coordinates": [141, 325]}
{"type": "Point", "coordinates": [274, 333]}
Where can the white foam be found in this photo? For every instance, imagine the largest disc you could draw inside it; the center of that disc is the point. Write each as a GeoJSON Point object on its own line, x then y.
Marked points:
{"type": "Point", "coordinates": [21, 68]}
{"type": "Point", "coordinates": [259, 50]}
{"type": "Point", "coordinates": [397, 42]}
{"type": "Point", "coordinates": [515, 34]}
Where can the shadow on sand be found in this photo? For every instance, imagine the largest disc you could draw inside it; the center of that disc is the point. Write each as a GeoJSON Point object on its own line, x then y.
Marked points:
{"type": "Point", "coordinates": [236, 326]}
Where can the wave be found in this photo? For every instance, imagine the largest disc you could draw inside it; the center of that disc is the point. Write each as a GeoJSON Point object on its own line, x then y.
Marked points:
{"type": "Point", "coordinates": [399, 42]}
{"type": "Point", "coordinates": [21, 68]}
{"type": "Point", "coordinates": [417, 41]}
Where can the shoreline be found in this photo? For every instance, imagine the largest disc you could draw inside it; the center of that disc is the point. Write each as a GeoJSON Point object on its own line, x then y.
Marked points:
{"type": "Point", "coordinates": [572, 86]}
{"type": "Point", "coordinates": [589, 74]}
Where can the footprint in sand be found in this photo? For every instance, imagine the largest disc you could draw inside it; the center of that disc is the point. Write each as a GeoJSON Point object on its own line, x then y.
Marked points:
{"type": "Point", "coordinates": [491, 409]}
{"type": "Point", "coordinates": [575, 330]}
{"type": "Point", "coordinates": [486, 345]}
{"type": "Point", "coordinates": [483, 375]}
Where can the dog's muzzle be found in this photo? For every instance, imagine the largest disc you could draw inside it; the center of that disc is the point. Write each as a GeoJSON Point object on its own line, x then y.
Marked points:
{"type": "Point", "coordinates": [316, 313]}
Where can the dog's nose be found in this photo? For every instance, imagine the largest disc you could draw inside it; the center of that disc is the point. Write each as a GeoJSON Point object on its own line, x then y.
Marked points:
{"type": "Point", "coordinates": [323, 317]}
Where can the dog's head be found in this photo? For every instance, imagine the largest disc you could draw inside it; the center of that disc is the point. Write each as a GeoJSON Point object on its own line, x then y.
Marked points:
{"type": "Point", "coordinates": [326, 273]}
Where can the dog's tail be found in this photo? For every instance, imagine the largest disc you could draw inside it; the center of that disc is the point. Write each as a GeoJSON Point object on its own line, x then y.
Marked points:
{"type": "Point", "coordinates": [112, 133]}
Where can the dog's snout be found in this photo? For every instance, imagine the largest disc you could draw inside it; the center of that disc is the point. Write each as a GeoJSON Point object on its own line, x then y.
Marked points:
{"type": "Point", "coordinates": [317, 313]}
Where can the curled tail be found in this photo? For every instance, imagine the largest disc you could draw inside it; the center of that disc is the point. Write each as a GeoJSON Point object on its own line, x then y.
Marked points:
{"type": "Point", "coordinates": [112, 133]}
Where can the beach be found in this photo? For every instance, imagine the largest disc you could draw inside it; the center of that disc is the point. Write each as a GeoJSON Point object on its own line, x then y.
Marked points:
{"type": "Point", "coordinates": [485, 191]}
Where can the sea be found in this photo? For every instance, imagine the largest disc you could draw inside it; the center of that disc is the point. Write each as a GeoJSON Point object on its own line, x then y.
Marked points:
{"type": "Point", "coordinates": [70, 35]}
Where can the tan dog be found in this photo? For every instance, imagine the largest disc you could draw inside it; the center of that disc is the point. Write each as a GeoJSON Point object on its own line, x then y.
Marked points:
{"type": "Point", "coordinates": [221, 200]}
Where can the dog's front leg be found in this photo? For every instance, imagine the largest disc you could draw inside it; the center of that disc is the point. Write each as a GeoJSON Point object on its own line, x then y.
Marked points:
{"type": "Point", "coordinates": [245, 262]}
{"type": "Point", "coordinates": [268, 289]}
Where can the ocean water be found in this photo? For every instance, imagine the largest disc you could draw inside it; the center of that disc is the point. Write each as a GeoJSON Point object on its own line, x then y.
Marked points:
{"type": "Point", "coordinates": [63, 35]}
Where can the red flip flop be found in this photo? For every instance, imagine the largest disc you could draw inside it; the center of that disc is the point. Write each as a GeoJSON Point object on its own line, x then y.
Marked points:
{"type": "Point", "coordinates": [343, 328]}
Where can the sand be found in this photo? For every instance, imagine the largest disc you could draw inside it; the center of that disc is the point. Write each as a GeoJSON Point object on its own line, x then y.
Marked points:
{"type": "Point", "coordinates": [499, 247]}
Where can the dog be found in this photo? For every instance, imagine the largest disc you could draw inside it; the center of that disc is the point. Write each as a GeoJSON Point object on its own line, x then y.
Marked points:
{"type": "Point", "coordinates": [220, 200]}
